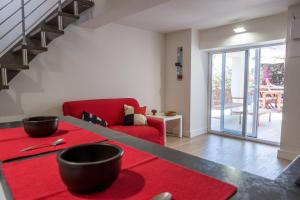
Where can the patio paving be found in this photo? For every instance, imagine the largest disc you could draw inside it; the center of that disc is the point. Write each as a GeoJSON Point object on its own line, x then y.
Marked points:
{"type": "Point", "coordinates": [269, 131]}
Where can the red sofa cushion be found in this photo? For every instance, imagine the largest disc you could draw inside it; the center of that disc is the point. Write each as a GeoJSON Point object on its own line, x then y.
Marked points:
{"type": "Point", "coordinates": [111, 110]}
{"type": "Point", "coordinates": [145, 132]}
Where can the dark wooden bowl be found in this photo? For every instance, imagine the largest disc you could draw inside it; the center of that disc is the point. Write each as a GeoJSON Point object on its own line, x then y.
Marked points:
{"type": "Point", "coordinates": [40, 126]}
{"type": "Point", "coordinates": [91, 167]}
{"type": "Point", "coordinates": [170, 113]}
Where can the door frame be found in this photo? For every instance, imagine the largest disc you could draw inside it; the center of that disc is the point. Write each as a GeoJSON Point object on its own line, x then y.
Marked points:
{"type": "Point", "coordinates": [244, 135]}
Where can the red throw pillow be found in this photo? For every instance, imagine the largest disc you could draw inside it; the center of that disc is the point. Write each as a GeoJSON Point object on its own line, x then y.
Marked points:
{"type": "Point", "coordinates": [140, 110]}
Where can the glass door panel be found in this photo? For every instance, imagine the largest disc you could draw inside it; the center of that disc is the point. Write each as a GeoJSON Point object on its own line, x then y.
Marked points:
{"type": "Point", "coordinates": [233, 90]}
{"type": "Point", "coordinates": [271, 92]}
{"type": "Point", "coordinates": [216, 91]}
{"type": "Point", "coordinates": [252, 92]}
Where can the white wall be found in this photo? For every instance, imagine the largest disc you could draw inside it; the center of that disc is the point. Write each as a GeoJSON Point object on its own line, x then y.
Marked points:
{"type": "Point", "coordinates": [261, 30]}
{"type": "Point", "coordinates": [177, 93]}
{"type": "Point", "coordinates": [290, 137]}
{"type": "Point", "coordinates": [112, 61]}
{"type": "Point", "coordinates": [108, 11]}
{"type": "Point", "coordinates": [188, 96]}
{"type": "Point", "coordinates": [199, 87]}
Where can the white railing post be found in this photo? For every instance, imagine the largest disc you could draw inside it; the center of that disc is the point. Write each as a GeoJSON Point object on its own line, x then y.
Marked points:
{"type": "Point", "coordinates": [23, 23]}
{"type": "Point", "coordinates": [60, 19]}
{"type": "Point", "coordinates": [43, 39]}
{"type": "Point", "coordinates": [24, 43]}
{"type": "Point", "coordinates": [4, 76]}
{"type": "Point", "coordinates": [76, 12]}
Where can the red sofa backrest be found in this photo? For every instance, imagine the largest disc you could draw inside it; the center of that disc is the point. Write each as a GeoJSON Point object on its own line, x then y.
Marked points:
{"type": "Point", "coordinates": [111, 110]}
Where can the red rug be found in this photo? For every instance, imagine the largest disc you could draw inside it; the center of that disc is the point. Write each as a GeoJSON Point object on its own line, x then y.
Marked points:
{"type": "Point", "coordinates": [142, 177]}
{"type": "Point", "coordinates": [12, 140]}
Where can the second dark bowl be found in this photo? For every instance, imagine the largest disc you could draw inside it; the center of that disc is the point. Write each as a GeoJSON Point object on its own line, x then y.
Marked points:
{"type": "Point", "coordinates": [91, 167]}
{"type": "Point", "coordinates": [41, 126]}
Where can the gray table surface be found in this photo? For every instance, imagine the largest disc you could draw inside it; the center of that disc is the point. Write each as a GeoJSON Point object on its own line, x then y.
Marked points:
{"type": "Point", "coordinates": [250, 186]}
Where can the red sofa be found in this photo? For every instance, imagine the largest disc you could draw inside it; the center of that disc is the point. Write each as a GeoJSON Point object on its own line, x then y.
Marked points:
{"type": "Point", "coordinates": [112, 110]}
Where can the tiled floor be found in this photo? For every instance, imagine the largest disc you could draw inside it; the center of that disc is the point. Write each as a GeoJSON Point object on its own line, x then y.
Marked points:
{"type": "Point", "coordinates": [259, 159]}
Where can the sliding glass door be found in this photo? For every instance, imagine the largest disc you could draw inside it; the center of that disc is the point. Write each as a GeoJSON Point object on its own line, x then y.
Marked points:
{"type": "Point", "coordinates": [246, 92]}
{"type": "Point", "coordinates": [234, 92]}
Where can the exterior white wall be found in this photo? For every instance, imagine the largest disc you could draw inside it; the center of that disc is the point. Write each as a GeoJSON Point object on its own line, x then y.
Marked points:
{"type": "Point", "coordinates": [237, 78]}
{"type": "Point", "coordinates": [290, 137]}
{"type": "Point", "coordinates": [110, 62]}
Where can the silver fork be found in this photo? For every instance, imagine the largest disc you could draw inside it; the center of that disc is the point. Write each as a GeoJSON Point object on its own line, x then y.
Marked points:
{"type": "Point", "coordinates": [55, 143]}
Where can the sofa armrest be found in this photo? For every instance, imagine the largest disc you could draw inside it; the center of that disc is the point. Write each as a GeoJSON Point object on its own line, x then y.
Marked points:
{"type": "Point", "coordinates": [158, 124]}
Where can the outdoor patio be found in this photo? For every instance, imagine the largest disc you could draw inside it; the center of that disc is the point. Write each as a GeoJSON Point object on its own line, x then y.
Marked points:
{"type": "Point", "coordinates": [267, 130]}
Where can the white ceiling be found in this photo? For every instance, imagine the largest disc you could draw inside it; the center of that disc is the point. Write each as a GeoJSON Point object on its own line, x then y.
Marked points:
{"type": "Point", "coordinates": [202, 14]}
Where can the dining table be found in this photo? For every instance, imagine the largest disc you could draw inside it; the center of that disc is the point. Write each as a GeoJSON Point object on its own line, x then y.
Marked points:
{"type": "Point", "coordinates": [249, 186]}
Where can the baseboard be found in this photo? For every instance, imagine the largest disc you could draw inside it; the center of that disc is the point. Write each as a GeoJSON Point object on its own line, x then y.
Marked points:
{"type": "Point", "coordinates": [287, 155]}
{"type": "Point", "coordinates": [194, 133]}
{"type": "Point", "coordinates": [187, 133]}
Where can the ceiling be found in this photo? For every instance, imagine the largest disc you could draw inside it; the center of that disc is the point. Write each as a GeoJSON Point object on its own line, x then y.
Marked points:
{"type": "Point", "coordinates": [202, 14]}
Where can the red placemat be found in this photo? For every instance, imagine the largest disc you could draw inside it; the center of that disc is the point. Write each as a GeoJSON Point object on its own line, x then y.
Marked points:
{"type": "Point", "coordinates": [8, 134]}
{"type": "Point", "coordinates": [12, 140]}
{"type": "Point", "coordinates": [142, 181]}
{"type": "Point", "coordinates": [133, 156]}
{"type": "Point", "coordinates": [24, 173]}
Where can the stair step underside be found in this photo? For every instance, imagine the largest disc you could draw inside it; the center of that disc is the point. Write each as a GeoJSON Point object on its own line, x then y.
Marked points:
{"type": "Point", "coordinates": [52, 32]}
{"type": "Point", "coordinates": [67, 19]}
{"type": "Point", "coordinates": [30, 49]}
{"type": "Point", "coordinates": [69, 15]}
{"type": "Point", "coordinates": [83, 5]}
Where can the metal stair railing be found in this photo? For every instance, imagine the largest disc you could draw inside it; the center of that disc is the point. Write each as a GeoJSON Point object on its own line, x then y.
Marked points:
{"type": "Point", "coordinates": [25, 27]}
{"type": "Point", "coordinates": [19, 28]}
{"type": "Point", "coordinates": [57, 4]}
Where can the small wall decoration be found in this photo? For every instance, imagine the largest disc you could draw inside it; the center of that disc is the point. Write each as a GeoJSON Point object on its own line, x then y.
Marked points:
{"type": "Point", "coordinates": [295, 30]}
{"type": "Point", "coordinates": [178, 64]}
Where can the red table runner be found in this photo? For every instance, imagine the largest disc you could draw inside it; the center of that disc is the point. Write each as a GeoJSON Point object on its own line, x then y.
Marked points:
{"type": "Point", "coordinates": [133, 156]}
{"type": "Point", "coordinates": [142, 177]}
{"type": "Point", "coordinates": [12, 140]}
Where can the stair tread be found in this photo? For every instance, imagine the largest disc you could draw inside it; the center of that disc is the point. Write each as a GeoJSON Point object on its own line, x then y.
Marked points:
{"type": "Point", "coordinates": [30, 48]}
{"type": "Point", "coordinates": [83, 5]}
{"type": "Point", "coordinates": [15, 66]}
{"type": "Point", "coordinates": [53, 29]}
{"type": "Point", "coordinates": [69, 15]}
{"type": "Point", "coordinates": [86, 3]}
{"type": "Point", "coordinates": [2, 87]}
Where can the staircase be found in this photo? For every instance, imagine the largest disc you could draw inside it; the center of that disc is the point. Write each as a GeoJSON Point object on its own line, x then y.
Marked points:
{"type": "Point", "coordinates": [27, 30]}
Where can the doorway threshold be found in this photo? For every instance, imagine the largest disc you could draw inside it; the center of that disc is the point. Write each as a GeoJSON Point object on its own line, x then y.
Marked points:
{"type": "Point", "coordinates": [251, 139]}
